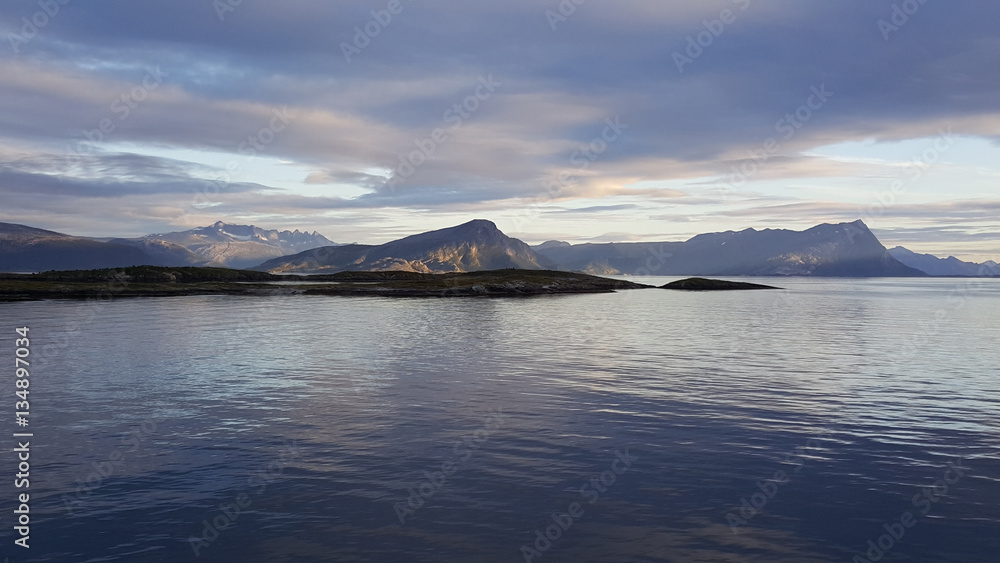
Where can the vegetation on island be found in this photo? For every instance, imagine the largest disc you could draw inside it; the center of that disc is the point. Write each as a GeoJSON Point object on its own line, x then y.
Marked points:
{"type": "Point", "coordinates": [158, 281]}
{"type": "Point", "coordinates": [154, 281]}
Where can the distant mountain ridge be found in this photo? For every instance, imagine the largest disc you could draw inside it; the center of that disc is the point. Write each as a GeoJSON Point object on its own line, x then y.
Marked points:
{"type": "Point", "coordinates": [232, 246]}
{"type": "Point", "coordinates": [476, 245]}
{"type": "Point", "coordinates": [841, 250]}
{"type": "Point", "coordinates": [949, 266]}
{"type": "Point", "coordinates": [27, 249]}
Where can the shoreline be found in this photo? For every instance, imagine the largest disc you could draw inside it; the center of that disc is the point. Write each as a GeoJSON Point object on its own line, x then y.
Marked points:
{"type": "Point", "coordinates": [150, 281]}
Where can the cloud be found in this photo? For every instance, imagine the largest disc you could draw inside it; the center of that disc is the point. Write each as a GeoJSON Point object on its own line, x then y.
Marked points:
{"type": "Point", "coordinates": [598, 209]}
{"type": "Point", "coordinates": [950, 211]}
{"type": "Point", "coordinates": [221, 83]}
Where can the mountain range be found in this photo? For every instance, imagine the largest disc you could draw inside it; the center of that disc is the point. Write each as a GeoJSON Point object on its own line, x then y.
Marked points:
{"type": "Point", "coordinates": [840, 250]}
{"type": "Point", "coordinates": [232, 246]}
{"type": "Point", "coordinates": [476, 245]}
{"type": "Point", "coordinates": [27, 249]}
{"type": "Point", "coordinates": [950, 266]}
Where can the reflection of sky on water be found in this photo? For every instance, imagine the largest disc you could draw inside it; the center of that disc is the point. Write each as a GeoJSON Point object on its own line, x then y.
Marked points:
{"type": "Point", "coordinates": [709, 391]}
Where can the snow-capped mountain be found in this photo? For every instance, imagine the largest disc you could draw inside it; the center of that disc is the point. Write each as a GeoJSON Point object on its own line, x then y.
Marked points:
{"type": "Point", "coordinates": [238, 246]}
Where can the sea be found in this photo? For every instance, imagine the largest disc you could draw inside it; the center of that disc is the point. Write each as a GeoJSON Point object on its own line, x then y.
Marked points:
{"type": "Point", "coordinates": [829, 420]}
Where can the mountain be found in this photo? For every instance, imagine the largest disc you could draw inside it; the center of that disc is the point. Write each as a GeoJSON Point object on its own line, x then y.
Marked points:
{"type": "Point", "coordinates": [26, 249]}
{"type": "Point", "coordinates": [222, 244]}
{"type": "Point", "coordinates": [550, 244]}
{"type": "Point", "coordinates": [949, 266]}
{"type": "Point", "coordinates": [476, 245]}
{"type": "Point", "coordinates": [163, 253]}
{"type": "Point", "coordinates": [842, 250]}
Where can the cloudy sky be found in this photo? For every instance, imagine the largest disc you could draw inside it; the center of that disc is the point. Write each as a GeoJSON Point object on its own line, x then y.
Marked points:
{"type": "Point", "coordinates": [585, 120]}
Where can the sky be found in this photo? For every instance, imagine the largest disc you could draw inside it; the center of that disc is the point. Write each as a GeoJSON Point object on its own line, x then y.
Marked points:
{"type": "Point", "coordinates": [576, 120]}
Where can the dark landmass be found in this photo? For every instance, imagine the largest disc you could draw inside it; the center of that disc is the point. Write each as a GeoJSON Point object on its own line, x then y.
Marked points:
{"type": "Point", "coordinates": [702, 284]}
{"type": "Point", "coordinates": [473, 246]}
{"type": "Point", "coordinates": [226, 245]}
{"type": "Point", "coordinates": [27, 249]}
{"type": "Point", "coordinates": [151, 281]}
{"type": "Point", "coordinates": [841, 250]}
{"type": "Point", "coordinates": [945, 267]}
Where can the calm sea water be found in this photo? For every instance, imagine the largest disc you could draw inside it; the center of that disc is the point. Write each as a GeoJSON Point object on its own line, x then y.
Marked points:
{"type": "Point", "coordinates": [640, 426]}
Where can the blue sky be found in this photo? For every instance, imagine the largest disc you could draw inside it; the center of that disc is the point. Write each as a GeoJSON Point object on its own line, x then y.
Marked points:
{"type": "Point", "coordinates": [597, 121]}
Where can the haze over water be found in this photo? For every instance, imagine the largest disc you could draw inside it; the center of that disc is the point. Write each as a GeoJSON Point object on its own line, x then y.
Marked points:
{"type": "Point", "coordinates": [325, 413]}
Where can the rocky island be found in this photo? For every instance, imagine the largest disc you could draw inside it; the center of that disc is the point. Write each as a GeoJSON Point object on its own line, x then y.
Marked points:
{"type": "Point", "coordinates": [154, 281]}
{"type": "Point", "coordinates": [702, 284]}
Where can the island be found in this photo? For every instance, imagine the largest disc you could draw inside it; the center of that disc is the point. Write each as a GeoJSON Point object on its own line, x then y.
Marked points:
{"type": "Point", "coordinates": [703, 284]}
{"type": "Point", "coordinates": [156, 281]}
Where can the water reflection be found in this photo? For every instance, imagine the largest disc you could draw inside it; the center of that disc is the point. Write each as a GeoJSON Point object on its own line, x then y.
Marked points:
{"type": "Point", "coordinates": [710, 392]}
